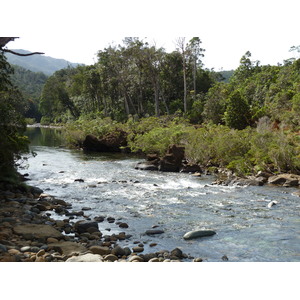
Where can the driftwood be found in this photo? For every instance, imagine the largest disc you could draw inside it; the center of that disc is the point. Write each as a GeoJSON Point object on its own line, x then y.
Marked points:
{"type": "Point", "coordinates": [5, 40]}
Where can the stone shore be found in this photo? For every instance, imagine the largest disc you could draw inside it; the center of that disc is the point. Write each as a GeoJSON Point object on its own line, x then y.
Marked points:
{"type": "Point", "coordinates": [28, 233]}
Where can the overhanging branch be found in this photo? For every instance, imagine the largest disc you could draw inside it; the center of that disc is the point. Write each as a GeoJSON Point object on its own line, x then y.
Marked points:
{"type": "Point", "coordinates": [21, 54]}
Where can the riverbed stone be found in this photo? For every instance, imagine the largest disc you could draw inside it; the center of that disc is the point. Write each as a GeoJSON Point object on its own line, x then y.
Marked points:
{"type": "Point", "coordinates": [123, 225]}
{"type": "Point", "coordinates": [198, 259]}
{"type": "Point", "coordinates": [138, 249]}
{"type": "Point", "coordinates": [118, 251]}
{"type": "Point", "coordinates": [177, 253]}
{"type": "Point", "coordinates": [110, 257]}
{"type": "Point", "coordinates": [67, 248]}
{"type": "Point", "coordinates": [37, 231]}
{"type": "Point", "coordinates": [154, 259]}
{"type": "Point", "coordinates": [88, 257]}
{"type": "Point", "coordinates": [135, 258]}
{"type": "Point", "coordinates": [101, 250]}
{"type": "Point", "coordinates": [154, 231]}
{"type": "Point", "coordinates": [83, 226]}
{"type": "Point", "coordinates": [198, 233]}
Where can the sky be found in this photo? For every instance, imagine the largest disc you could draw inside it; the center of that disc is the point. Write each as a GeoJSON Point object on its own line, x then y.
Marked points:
{"type": "Point", "coordinates": [77, 30]}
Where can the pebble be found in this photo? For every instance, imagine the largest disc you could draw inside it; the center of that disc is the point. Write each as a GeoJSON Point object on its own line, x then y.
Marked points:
{"type": "Point", "coordinates": [110, 257]}
{"type": "Point", "coordinates": [41, 253]}
{"type": "Point", "coordinates": [138, 249]}
{"type": "Point", "coordinates": [123, 225]}
{"type": "Point", "coordinates": [13, 251]}
{"type": "Point", "coordinates": [118, 251]}
{"type": "Point", "coordinates": [198, 259]}
{"type": "Point", "coordinates": [154, 259]}
{"type": "Point", "coordinates": [135, 258]}
{"type": "Point", "coordinates": [25, 249]}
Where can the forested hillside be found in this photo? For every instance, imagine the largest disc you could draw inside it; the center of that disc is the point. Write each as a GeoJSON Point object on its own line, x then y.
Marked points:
{"type": "Point", "coordinates": [30, 85]}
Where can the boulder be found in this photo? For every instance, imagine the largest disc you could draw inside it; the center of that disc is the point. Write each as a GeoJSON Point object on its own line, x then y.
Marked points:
{"type": "Point", "coordinates": [111, 142]}
{"type": "Point", "coordinates": [67, 248]}
{"type": "Point", "coordinates": [83, 226]}
{"type": "Point", "coordinates": [86, 258]}
{"type": "Point", "coordinates": [37, 231]}
{"type": "Point", "coordinates": [198, 233]}
{"type": "Point", "coordinates": [284, 179]}
{"type": "Point", "coordinates": [172, 161]}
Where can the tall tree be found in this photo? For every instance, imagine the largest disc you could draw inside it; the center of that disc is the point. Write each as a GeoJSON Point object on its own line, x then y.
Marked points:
{"type": "Point", "coordinates": [182, 49]}
{"type": "Point", "coordinates": [195, 52]}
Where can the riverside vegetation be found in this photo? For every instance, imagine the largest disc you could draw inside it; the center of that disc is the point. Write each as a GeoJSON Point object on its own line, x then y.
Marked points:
{"type": "Point", "coordinates": [141, 99]}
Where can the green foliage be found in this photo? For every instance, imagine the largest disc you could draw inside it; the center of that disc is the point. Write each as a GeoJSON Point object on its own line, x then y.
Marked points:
{"type": "Point", "coordinates": [237, 112]}
{"type": "Point", "coordinates": [12, 124]}
{"type": "Point", "coordinates": [158, 139]}
{"type": "Point", "coordinates": [30, 84]}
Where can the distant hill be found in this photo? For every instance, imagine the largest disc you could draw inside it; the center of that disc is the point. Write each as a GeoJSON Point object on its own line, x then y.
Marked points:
{"type": "Point", "coordinates": [38, 63]}
{"type": "Point", "coordinates": [226, 75]}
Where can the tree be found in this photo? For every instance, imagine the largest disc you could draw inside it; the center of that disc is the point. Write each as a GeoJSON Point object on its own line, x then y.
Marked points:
{"type": "Point", "coordinates": [182, 49]}
{"type": "Point", "coordinates": [12, 124]}
{"type": "Point", "coordinates": [237, 114]}
{"type": "Point", "coordinates": [195, 52]}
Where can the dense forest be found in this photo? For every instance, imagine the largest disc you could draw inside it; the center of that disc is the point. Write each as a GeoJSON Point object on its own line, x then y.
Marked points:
{"type": "Point", "coordinates": [246, 120]}
{"type": "Point", "coordinates": [30, 84]}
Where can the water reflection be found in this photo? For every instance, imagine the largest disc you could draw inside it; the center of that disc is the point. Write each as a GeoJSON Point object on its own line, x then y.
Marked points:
{"type": "Point", "coordinates": [41, 136]}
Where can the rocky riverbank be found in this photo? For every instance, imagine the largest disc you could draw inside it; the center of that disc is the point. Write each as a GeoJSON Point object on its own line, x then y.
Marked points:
{"type": "Point", "coordinates": [28, 233]}
{"type": "Point", "coordinates": [174, 161]}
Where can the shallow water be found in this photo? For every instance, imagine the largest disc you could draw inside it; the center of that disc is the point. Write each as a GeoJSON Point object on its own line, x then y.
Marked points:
{"type": "Point", "coordinates": [247, 230]}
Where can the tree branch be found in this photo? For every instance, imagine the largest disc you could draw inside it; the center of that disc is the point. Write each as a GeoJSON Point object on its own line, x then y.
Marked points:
{"type": "Point", "coordinates": [20, 54]}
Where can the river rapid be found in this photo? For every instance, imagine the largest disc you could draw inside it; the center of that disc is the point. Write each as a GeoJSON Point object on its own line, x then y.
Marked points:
{"type": "Point", "coordinates": [247, 230]}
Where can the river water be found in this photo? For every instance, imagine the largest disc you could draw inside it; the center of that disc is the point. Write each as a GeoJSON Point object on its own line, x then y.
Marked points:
{"type": "Point", "coordinates": [247, 230]}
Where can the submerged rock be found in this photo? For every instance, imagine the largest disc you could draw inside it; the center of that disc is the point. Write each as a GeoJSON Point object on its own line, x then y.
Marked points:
{"type": "Point", "coordinates": [154, 231]}
{"type": "Point", "coordinates": [198, 233]}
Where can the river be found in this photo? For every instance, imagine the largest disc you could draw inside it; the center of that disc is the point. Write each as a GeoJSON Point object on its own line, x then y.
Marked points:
{"type": "Point", "coordinates": [247, 230]}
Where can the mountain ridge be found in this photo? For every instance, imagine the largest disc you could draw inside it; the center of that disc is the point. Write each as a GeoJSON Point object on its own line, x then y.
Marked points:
{"type": "Point", "coordinates": [38, 63]}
